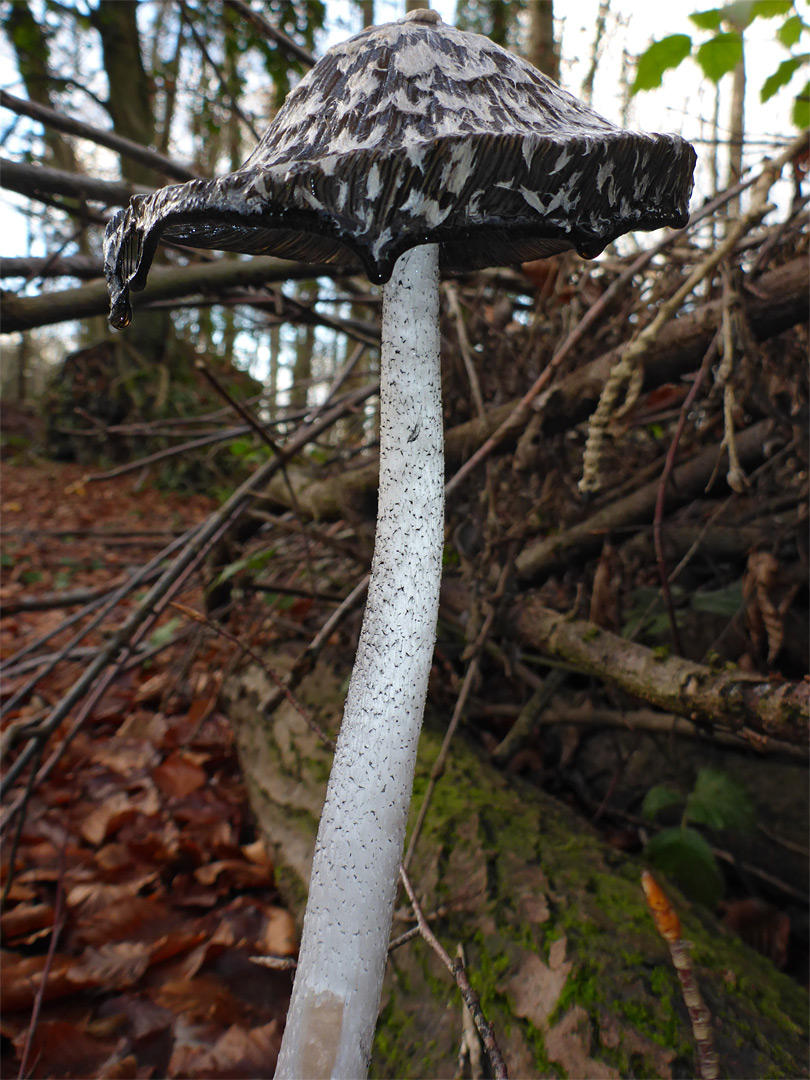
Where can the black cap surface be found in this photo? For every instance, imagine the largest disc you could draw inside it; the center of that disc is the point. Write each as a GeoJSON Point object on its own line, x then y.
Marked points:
{"type": "Point", "coordinates": [413, 133]}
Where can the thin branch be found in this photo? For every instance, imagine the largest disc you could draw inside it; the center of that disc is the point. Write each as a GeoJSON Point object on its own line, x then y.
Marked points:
{"type": "Point", "coordinates": [267, 30]}
{"type": "Point", "coordinates": [456, 969]}
{"type": "Point", "coordinates": [70, 126]}
{"type": "Point", "coordinates": [58, 923]}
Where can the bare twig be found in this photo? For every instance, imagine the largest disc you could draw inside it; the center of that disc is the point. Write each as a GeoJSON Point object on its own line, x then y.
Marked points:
{"type": "Point", "coordinates": [217, 628]}
{"type": "Point", "coordinates": [456, 969]}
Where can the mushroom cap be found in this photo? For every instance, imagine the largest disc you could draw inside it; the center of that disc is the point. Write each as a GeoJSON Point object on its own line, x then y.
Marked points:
{"type": "Point", "coordinates": [417, 133]}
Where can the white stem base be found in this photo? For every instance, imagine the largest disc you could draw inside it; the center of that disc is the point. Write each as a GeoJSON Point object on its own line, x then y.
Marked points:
{"type": "Point", "coordinates": [333, 1012]}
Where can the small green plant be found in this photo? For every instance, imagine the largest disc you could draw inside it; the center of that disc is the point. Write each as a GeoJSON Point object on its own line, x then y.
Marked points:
{"type": "Point", "coordinates": [717, 802]}
{"type": "Point", "coordinates": [720, 52]}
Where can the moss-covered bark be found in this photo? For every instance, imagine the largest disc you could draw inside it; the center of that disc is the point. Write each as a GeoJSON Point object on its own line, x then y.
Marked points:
{"type": "Point", "coordinates": [560, 947]}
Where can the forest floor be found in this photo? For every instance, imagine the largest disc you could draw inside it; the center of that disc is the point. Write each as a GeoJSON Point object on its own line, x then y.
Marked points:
{"type": "Point", "coordinates": [139, 847]}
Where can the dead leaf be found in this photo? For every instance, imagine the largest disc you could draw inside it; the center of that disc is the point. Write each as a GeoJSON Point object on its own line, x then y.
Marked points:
{"type": "Point", "coordinates": [113, 964]}
{"type": "Point", "coordinates": [63, 1049]}
{"type": "Point", "coordinates": [26, 918]}
{"type": "Point", "coordinates": [536, 987]}
{"type": "Point", "coordinates": [179, 776]}
{"type": "Point", "coordinates": [116, 810]}
{"type": "Point", "coordinates": [242, 875]}
{"type": "Point", "coordinates": [281, 935]}
{"type": "Point", "coordinates": [238, 1053]}
{"type": "Point", "coordinates": [768, 595]}
{"type": "Point", "coordinates": [569, 1044]}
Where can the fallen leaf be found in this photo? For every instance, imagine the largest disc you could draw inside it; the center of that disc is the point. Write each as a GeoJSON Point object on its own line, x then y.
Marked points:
{"type": "Point", "coordinates": [179, 776]}
{"type": "Point", "coordinates": [536, 986]}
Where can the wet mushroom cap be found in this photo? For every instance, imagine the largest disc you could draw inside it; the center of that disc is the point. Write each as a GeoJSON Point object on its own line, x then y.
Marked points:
{"type": "Point", "coordinates": [417, 133]}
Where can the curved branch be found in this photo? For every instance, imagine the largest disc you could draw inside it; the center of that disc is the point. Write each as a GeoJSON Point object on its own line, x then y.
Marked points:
{"type": "Point", "coordinates": [753, 705]}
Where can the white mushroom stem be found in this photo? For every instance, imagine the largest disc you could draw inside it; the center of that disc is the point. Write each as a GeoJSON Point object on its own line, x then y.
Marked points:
{"type": "Point", "coordinates": [333, 1011]}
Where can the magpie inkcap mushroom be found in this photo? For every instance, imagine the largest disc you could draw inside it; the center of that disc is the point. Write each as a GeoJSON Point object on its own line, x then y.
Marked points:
{"type": "Point", "coordinates": [417, 133]}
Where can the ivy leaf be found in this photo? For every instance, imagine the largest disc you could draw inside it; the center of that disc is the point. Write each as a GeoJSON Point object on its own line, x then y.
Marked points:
{"type": "Point", "coordinates": [719, 801]}
{"type": "Point", "coordinates": [685, 856]}
{"type": "Point", "coordinates": [707, 20]}
{"type": "Point", "coordinates": [801, 109]}
{"type": "Point", "coordinates": [720, 55]}
{"type": "Point", "coordinates": [658, 798]}
{"type": "Point", "coordinates": [658, 58]}
{"type": "Point", "coordinates": [790, 31]}
{"type": "Point", "coordinates": [783, 74]}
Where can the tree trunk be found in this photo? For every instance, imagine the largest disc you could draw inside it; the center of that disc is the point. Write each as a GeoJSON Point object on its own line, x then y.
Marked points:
{"type": "Point", "coordinates": [560, 946]}
{"type": "Point", "coordinates": [736, 132]}
{"type": "Point", "coordinates": [130, 106]}
{"type": "Point", "coordinates": [542, 48]}
{"type": "Point", "coordinates": [33, 59]}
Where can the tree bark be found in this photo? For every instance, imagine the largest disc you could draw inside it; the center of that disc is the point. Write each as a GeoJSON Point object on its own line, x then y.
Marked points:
{"type": "Point", "coordinates": [560, 946]}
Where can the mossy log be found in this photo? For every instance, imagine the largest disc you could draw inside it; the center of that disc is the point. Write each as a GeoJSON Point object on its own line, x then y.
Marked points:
{"type": "Point", "coordinates": [559, 943]}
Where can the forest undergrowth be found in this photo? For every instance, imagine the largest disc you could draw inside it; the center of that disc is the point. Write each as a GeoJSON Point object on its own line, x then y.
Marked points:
{"type": "Point", "coordinates": [634, 641]}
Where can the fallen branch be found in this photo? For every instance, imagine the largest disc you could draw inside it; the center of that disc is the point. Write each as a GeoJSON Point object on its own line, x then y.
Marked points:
{"type": "Point", "coordinates": [51, 600]}
{"type": "Point", "coordinates": [85, 267]}
{"type": "Point", "coordinates": [31, 180]}
{"type": "Point", "coordinates": [27, 312]}
{"type": "Point", "coordinates": [688, 481]}
{"type": "Point", "coordinates": [754, 706]}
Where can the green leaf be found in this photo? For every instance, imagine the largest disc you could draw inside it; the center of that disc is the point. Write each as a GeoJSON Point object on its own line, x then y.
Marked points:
{"type": "Point", "coordinates": [783, 74]}
{"type": "Point", "coordinates": [790, 31]}
{"type": "Point", "coordinates": [685, 855]}
{"type": "Point", "coordinates": [720, 802]}
{"type": "Point", "coordinates": [801, 109]}
{"type": "Point", "coordinates": [707, 20]}
{"type": "Point", "coordinates": [658, 58]}
{"type": "Point", "coordinates": [256, 561]}
{"type": "Point", "coordinates": [164, 634]}
{"type": "Point", "coordinates": [725, 602]}
{"type": "Point", "coordinates": [720, 55]}
{"type": "Point", "coordinates": [768, 9]}
{"type": "Point", "coordinates": [658, 798]}
{"type": "Point", "coordinates": [241, 447]}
